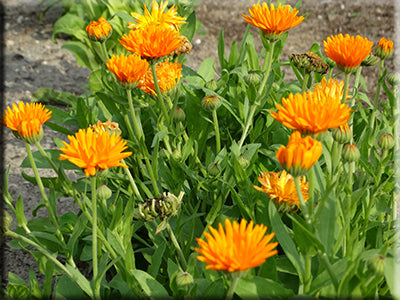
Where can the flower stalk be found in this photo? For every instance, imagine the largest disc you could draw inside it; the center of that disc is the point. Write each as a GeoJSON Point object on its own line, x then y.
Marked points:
{"type": "Point", "coordinates": [303, 205]}
{"type": "Point", "coordinates": [96, 280]}
{"type": "Point", "coordinates": [178, 249]}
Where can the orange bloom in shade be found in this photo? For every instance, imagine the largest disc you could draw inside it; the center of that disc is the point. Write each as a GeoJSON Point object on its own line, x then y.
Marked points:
{"type": "Point", "coordinates": [93, 151]}
{"type": "Point", "coordinates": [99, 31]}
{"type": "Point", "coordinates": [238, 248]}
{"type": "Point", "coordinates": [168, 75]}
{"type": "Point", "coordinates": [273, 21]}
{"type": "Point", "coordinates": [347, 51]}
{"type": "Point", "coordinates": [128, 69]}
{"type": "Point", "coordinates": [152, 41]}
{"type": "Point", "coordinates": [157, 16]}
{"type": "Point", "coordinates": [315, 111]}
{"type": "Point", "coordinates": [300, 154]}
{"type": "Point", "coordinates": [26, 120]}
{"type": "Point", "coordinates": [384, 49]}
{"type": "Point", "coordinates": [281, 189]}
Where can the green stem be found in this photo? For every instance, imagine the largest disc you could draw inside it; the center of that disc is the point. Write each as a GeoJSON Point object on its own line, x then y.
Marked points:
{"type": "Point", "coordinates": [307, 275]}
{"type": "Point", "coordinates": [133, 115]}
{"type": "Point", "coordinates": [303, 206]}
{"type": "Point", "coordinates": [305, 81]}
{"type": "Point", "coordinates": [356, 81]}
{"type": "Point", "coordinates": [345, 88]}
{"type": "Point", "coordinates": [216, 126]}
{"type": "Point", "coordinates": [328, 267]}
{"type": "Point", "coordinates": [267, 65]}
{"type": "Point", "coordinates": [178, 249]}
{"type": "Point", "coordinates": [234, 282]}
{"type": "Point", "coordinates": [159, 96]}
{"type": "Point", "coordinates": [152, 177]}
{"type": "Point", "coordinates": [45, 253]}
{"type": "Point", "coordinates": [104, 50]}
{"type": "Point", "coordinates": [44, 195]}
{"type": "Point", "coordinates": [376, 100]}
{"type": "Point", "coordinates": [132, 182]}
{"type": "Point", "coordinates": [96, 286]}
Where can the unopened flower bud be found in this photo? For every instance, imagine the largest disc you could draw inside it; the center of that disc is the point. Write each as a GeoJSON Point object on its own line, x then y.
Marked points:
{"type": "Point", "coordinates": [370, 60]}
{"type": "Point", "coordinates": [99, 31]}
{"type": "Point", "coordinates": [213, 169]}
{"type": "Point", "coordinates": [393, 79]}
{"type": "Point", "coordinates": [103, 192]}
{"type": "Point", "coordinates": [179, 115]}
{"type": "Point", "coordinates": [386, 141]}
{"type": "Point", "coordinates": [210, 103]}
{"type": "Point", "coordinates": [211, 85]}
{"type": "Point", "coordinates": [384, 49]}
{"type": "Point", "coordinates": [376, 264]}
{"type": "Point", "coordinates": [33, 138]}
{"type": "Point", "coordinates": [350, 153]}
{"type": "Point", "coordinates": [253, 78]}
{"type": "Point", "coordinates": [183, 279]}
{"type": "Point", "coordinates": [310, 62]}
{"type": "Point", "coordinates": [6, 220]}
{"type": "Point", "coordinates": [342, 134]}
{"type": "Point", "coordinates": [243, 161]}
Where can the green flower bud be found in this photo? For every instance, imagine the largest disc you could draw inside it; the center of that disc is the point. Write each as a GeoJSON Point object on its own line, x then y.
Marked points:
{"type": "Point", "coordinates": [350, 153]}
{"type": "Point", "coordinates": [252, 78]}
{"type": "Point", "coordinates": [103, 192]}
{"type": "Point", "coordinates": [342, 134]}
{"type": "Point", "coordinates": [393, 79]}
{"type": "Point", "coordinates": [376, 264]}
{"type": "Point", "coordinates": [6, 219]}
{"type": "Point", "coordinates": [211, 85]}
{"type": "Point", "coordinates": [243, 161]}
{"type": "Point", "coordinates": [370, 60]}
{"type": "Point", "coordinates": [386, 141]}
{"type": "Point", "coordinates": [210, 103]}
{"type": "Point", "coordinates": [213, 169]}
{"type": "Point", "coordinates": [31, 139]}
{"type": "Point", "coordinates": [179, 115]}
{"type": "Point", "coordinates": [183, 279]}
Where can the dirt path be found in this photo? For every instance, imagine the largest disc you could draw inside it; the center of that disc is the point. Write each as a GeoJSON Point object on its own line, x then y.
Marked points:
{"type": "Point", "coordinates": [32, 61]}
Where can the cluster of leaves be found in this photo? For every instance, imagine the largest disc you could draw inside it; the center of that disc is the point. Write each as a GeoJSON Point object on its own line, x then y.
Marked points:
{"type": "Point", "coordinates": [340, 255]}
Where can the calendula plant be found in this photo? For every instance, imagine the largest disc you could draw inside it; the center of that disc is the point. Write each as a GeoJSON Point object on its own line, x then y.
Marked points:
{"type": "Point", "coordinates": [169, 161]}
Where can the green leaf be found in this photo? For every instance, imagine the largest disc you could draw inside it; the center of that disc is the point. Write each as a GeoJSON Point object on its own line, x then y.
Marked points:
{"type": "Point", "coordinates": [221, 51]}
{"type": "Point", "coordinates": [207, 69]}
{"type": "Point", "coordinates": [34, 287]}
{"type": "Point", "coordinates": [70, 24]}
{"type": "Point", "coordinates": [16, 288]}
{"type": "Point", "coordinates": [214, 290]}
{"type": "Point", "coordinates": [259, 287]}
{"type": "Point", "coordinates": [391, 264]}
{"type": "Point", "coordinates": [283, 237]}
{"type": "Point", "coordinates": [233, 55]}
{"type": "Point", "coordinates": [83, 114]}
{"type": "Point", "coordinates": [84, 57]}
{"type": "Point", "coordinates": [156, 260]}
{"type": "Point", "coordinates": [82, 282]}
{"type": "Point", "coordinates": [66, 289]}
{"type": "Point", "coordinates": [19, 207]}
{"type": "Point", "coordinates": [189, 28]}
{"type": "Point", "coordinates": [150, 286]}
{"type": "Point", "coordinates": [95, 82]}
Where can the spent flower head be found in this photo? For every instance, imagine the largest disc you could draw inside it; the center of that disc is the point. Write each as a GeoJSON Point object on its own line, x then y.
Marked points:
{"type": "Point", "coordinates": [273, 21]}
{"type": "Point", "coordinates": [237, 248]}
{"type": "Point", "coordinates": [25, 120]}
{"type": "Point", "coordinates": [99, 31]}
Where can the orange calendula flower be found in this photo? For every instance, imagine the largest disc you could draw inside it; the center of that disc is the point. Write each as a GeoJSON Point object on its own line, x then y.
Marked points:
{"type": "Point", "coordinates": [237, 248]}
{"type": "Point", "coordinates": [273, 21]}
{"type": "Point", "coordinates": [152, 41]}
{"type": "Point", "coordinates": [99, 31]}
{"type": "Point", "coordinates": [384, 49]}
{"type": "Point", "coordinates": [314, 112]}
{"type": "Point", "coordinates": [26, 120]}
{"type": "Point", "coordinates": [168, 75]}
{"type": "Point", "coordinates": [157, 16]}
{"type": "Point", "coordinates": [93, 151]}
{"type": "Point", "coordinates": [281, 189]}
{"type": "Point", "coordinates": [128, 69]}
{"type": "Point", "coordinates": [347, 51]}
{"type": "Point", "coordinates": [299, 155]}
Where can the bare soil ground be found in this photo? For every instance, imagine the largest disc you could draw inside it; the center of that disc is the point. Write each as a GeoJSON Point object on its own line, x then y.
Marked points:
{"type": "Point", "coordinates": [31, 61]}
